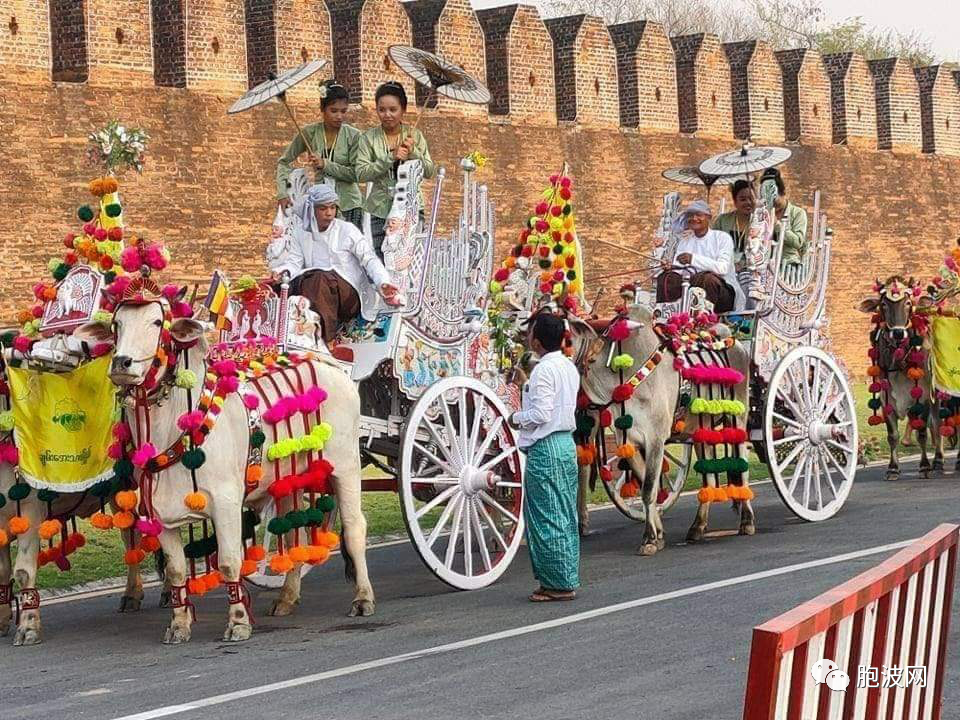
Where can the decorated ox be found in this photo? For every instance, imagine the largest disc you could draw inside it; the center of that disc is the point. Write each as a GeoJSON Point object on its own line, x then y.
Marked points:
{"type": "Point", "coordinates": [150, 353]}
{"type": "Point", "coordinates": [900, 372]}
{"type": "Point", "coordinates": [652, 407]}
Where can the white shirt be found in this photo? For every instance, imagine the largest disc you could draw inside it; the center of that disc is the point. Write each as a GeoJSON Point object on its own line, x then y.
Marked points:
{"type": "Point", "coordinates": [713, 252]}
{"type": "Point", "coordinates": [549, 399]}
{"type": "Point", "coordinates": [343, 249]}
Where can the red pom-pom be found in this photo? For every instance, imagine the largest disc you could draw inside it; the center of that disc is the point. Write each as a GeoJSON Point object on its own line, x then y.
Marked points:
{"type": "Point", "coordinates": [527, 251]}
{"type": "Point", "coordinates": [606, 418]}
{"type": "Point", "coordinates": [542, 226]}
{"type": "Point", "coordinates": [541, 208]}
{"type": "Point", "coordinates": [582, 400]}
{"type": "Point", "coordinates": [918, 423]}
{"type": "Point", "coordinates": [37, 311]}
{"type": "Point", "coordinates": [622, 393]}
{"type": "Point", "coordinates": [280, 488]}
{"type": "Point", "coordinates": [115, 234]}
{"type": "Point", "coordinates": [501, 275]}
{"type": "Point", "coordinates": [68, 240]}
{"type": "Point", "coordinates": [619, 331]}
{"type": "Point", "coordinates": [947, 431]}
{"type": "Point", "coordinates": [556, 211]}
{"type": "Point", "coordinates": [565, 193]}
{"type": "Point", "coordinates": [546, 288]}
{"type": "Point", "coordinates": [70, 258]}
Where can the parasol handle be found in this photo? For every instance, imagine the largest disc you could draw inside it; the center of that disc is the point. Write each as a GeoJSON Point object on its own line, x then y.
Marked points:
{"type": "Point", "coordinates": [283, 100]}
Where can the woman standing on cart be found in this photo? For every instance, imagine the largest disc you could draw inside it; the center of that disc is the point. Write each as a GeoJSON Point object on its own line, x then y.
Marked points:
{"type": "Point", "coordinates": [380, 152]}
{"type": "Point", "coordinates": [335, 144]}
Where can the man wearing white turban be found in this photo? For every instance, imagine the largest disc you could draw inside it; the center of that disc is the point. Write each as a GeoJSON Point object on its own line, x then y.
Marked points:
{"type": "Point", "coordinates": [709, 255]}
{"type": "Point", "coordinates": [333, 264]}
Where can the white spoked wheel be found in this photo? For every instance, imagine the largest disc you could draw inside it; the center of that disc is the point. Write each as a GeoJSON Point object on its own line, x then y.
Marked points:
{"type": "Point", "coordinates": [810, 433]}
{"type": "Point", "coordinates": [461, 483]}
{"type": "Point", "coordinates": [264, 577]}
{"type": "Point", "coordinates": [679, 459]}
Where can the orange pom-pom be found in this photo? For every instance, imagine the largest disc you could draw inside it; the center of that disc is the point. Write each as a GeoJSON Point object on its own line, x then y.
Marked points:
{"type": "Point", "coordinates": [318, 554]}
{"type": "Point", "coordinates": [123, 520]}
{"type": "Point", "coordinates": [255, 553]}
{"type": "Point", "coordinates": [4, 538]}
{"type": "Point", "coordinates": [18, 525]}
{"type": "Point", "coordinates": [247, 567]}
{"type": "Point", "coordinates": [254, 476]}
{"type": "Point", "coordinates": [196, 586]}
{"type": "Point", "coordinates": [746, 493]}
{"type": "Point", "coordinates": [629, 489]}
{"type": "Point", "coordinates": [720, 495]}
{"type": "Point", "coordinates": [49, 529]}
{"type": "Point", "coordinates": [281, 564]}
{"type": "Point", "coordinates": [874, 371]}
{"type": "Point", "coordinates": [705, 495]}
{"type": "Point", "coordinates": [915, 373]}
{"type": "Point", "coordinates": [586, 454]}
{"type": "Point", "coordinates": [212, 580]}
{"type": "Point", "coordinates": [665, 466]}
{"type": "Point", "coordinates": [299, 554]}
{"type": "Point", "coordinates": [679, 426]}
{"type": "Point", "coordinates": [149, 544]}
{"type": "Point", "coordinates": [125, 499]}
{"type": "Point", "coordinates": [625, 451]}
{"type": "Point", "coordinates": [195, 501]}
{"type": "Point", "coordinates": [134, 556]}
{"type": "Point", "coordinates": [101, 521]}
{"type": "Point", "coordinates": [328, 539]}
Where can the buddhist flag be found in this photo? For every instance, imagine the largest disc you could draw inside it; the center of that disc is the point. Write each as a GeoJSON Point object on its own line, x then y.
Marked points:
{"type": "Point", "coordinates": [218, 302]}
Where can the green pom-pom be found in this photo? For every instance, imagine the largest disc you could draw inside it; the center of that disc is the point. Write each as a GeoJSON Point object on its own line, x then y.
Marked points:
{"type": "Point", "coordinates": [624, 422]}
{"type": "Point", "coordinates": [102, 489]}
{"type": "Point", "coordinates": [874, 403]}
{"type": "Point", "coordinates": [109, 277]}
{"type": "Point", "coordinates": [916, 341]}
{"type": "Point", "coordinates": [296, 518]}
{"type": "Point", "coordinates": [326, 504]}
{"type": "Point", "coordinates": [249, 521]}
{"type": "Point", "coordinates": [567, 209]}
{"type": "Point", "coordinates": [47, 496]}
{"type": "Point", "coordinates": [279, 526]}
{"type": "Point", "coordinates": [944, 413]}
{"type": "Point", "coordinates": [685, 400]}
{"type": "Point", "coordinates": [102, 317]}
{"type": "Point", "coordinates": [571, 274]}
{"type": "Point", "coordinates": [186, 379]}
{"type": "Point", "coordinates": [3, 500]}
{"type": "Point", "coordinates": [585, 424]}
{"type": "Point", "coordinates": [558, 249]}
{"type": "Point", "coordinates": [623, 464]}
{"type": "Point", "coordinates": [193, 459]}
{"type": "Point", "coordinates": [113, 210]}
{"type": "Point", "coordinates": [61, 272]}
{"type": "Point", "coordinates": [257, 438]}
{"type": "Point", "coordinates": [123, 469]}
{"type": "Point", "coordinates": [6, 421]}
{"type": "Point", "coordinates": [622, 362]}
{"type": "Point", "coordinates": [737, 465]}
{"type": "Point", "coordinates": [545, 264]}
{"type": "Point", "coordinates": [85, 213]}
{"type": "Point", "coordinates": [314, 516]}
{"type": "Point", "coordinates": [6, 340]}
{"type": "Point", "coordinates": [18, 491]}
{"type": "Point", "coordinates": [917, 410]}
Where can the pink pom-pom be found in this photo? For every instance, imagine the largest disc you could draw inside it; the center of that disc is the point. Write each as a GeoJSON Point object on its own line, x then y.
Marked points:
{"type": "Point", "coordinates": [9, 453]}
{"type": "Point", "coordinates": [542, 226]}
{"type": "Point", "coordinates": [170, 292]}
{"type": "Point", "coordinates": [120, 285]}
{"type": "Point", "coordinates": [916, 393]}
{"type": "Point", "coordinates": [22, 344]}
{"type": "Point", "coordinates": [115, 451]}
{"type": "Point", "coordinates": [100, 234]}
{"type": "Point", "coordinates": [89, 228]}
{"type": "Point", "coordinates": [181, 310]}
{"type": "Point", "coordinates": [100, 349]}
{"type": "Point", "coordinates": [541, 208]}
{"type": "Point", "coordinates": [554, 179]}
{"type": "Point", "coordinates": [565, 182]}
{"type": "Point", "coordinates": [144, 454]}
{"type": "Point", "coordinates": [888, 409]}
{"type": "Point", "coordinates": [38, 291]}
{"type": "Point", "coordinates": [228, 384]}
{"type": "Point", "coordinates": [153, 257]}
{"type": "Point", "coordinates": [225, 367]}
{"type": "Point", "coordinates": [873, 353]}
{"type": "Point", "coordinates": [122, 432]}
{"type": "Point", "coordinates": [679, 365]}
{"type": "Point", "coordinates": [130, 260]}
{"type": "Point", "coordinates": [916, 357]}
{"type": "Point", "coordinates": [151, 527]}
{"type": "Point", "coordinates": [875, 388]}
{"type": "Point", "coordinates": [899, 354]}
{"type": "Point", "coordinates": [950, 263]}
{"type": "Point", "coordinates": [619, 331]}
{"type": "Point", "coordinates": [190, 420]}
{"type": "Point", "coordinates": [251, 401]}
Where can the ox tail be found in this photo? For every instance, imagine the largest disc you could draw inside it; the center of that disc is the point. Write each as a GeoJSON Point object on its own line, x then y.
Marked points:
{"type": "Point", "coordinates": [160, 561]}
{"type": "Point", "coordinates": [349, 567]}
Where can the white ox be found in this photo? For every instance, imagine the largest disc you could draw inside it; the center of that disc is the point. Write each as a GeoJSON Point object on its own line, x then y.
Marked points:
{"type": "Point", "coordinates": [221, 477]}
{"type": "Point", "coordinates": [652, 406]}
{"type": "Point", "coordinates": [28, 548]}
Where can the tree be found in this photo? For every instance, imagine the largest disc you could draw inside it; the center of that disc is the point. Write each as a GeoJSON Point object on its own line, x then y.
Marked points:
{"type": "Point", "coordinates": [855, 35]}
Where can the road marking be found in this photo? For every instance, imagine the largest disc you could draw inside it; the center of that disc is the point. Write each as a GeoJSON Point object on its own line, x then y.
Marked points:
{"type": "Point", "coordinates": [171, 710]}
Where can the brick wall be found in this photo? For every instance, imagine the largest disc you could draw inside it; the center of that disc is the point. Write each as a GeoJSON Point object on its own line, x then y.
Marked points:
{"type": "Point", "coordinates": [898, 105]}
{"type": "Point", "coordinates": [261, 36]}
{"type": "Point", "coordinates": [303, 33]}
{"type": "Point", "coordinates": [806, 97]}
{"type": "Point", "coordinates": [169, 43]}
{"type": "Point", "coordinates": [68, 40]}
{"type": "Point", "coordinates": [703, 86]}
{"type": "Point", "coordinates": [25, 45]}
{"type": "Point", "coordinates": [756, 87]}
{"type": "Point", "coordinates": [382, 23]}
{"type": "Point", "coordinates": [564, 32]}
{"type": "Point", "coordinates": [598, 103]}
{"type": "Point", "coordinates": [647, 76]}
{"type": "Point", "coordinates": [533, 97]}
{"type": "Point", "coordinates": [216, 46]}
{"type": "Point", "coordinates": [939, 110]}
{"type": "Point", "coordinates": [852, 100]}
{"type": "Point", "coordinates": [496, 23]}
{"type": "Point", "coordinates": [119, 42]}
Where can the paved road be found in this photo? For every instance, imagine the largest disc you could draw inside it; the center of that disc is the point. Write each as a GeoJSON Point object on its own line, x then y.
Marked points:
{"type": "Point", "coordinates": [667, 657]}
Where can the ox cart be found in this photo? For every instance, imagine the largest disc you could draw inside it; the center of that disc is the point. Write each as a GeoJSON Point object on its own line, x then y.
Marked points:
{"type": "Point", "coordinates": [801, 417]}
{"type": "Point", "coordinates": [434, 404]}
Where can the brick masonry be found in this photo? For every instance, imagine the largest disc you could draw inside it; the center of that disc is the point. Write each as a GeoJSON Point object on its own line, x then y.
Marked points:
{"type": "Point", "coordinates": [68, 40]}
{"type": "Point", "coordinates": [261, 35]}
{"type": "Point", "coordinates": [199, 155]}
{"type": "Point", "coordinates": [647, 76]}
{"type": "Point", "coordinates": [756, 89]}
{"type": "Point", "coordinates": [898, 105]}
{"type": "Point", "coordinates": [585, 71]}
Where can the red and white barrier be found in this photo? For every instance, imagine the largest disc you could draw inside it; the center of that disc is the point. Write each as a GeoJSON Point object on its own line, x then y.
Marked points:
{"type": "Point", "coordinates": [896, 615]}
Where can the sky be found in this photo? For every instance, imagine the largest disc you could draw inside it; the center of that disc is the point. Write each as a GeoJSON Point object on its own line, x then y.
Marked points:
{"type": "Point", "coordinates": [939, 20]}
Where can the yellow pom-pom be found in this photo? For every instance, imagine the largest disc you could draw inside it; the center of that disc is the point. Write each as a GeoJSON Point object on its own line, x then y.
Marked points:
{"type": "Point", "coordinates": [49, 529]}
{"type": "Point", "coordinates": [195, 501]}
{"type": "Point", "coordinates": [125, 499]}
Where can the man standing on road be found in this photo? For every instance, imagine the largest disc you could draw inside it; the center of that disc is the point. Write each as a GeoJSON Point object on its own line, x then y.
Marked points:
{"type": "Point", "coordinates": [546, 423]}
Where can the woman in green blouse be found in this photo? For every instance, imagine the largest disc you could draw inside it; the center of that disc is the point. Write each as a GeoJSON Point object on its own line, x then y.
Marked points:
{"type": "Point", "coordinates": [380, 152]}
{"type": "Point", "coordinates": [793, 220]}
{"type": "Point", "coordinates": [335, 144]}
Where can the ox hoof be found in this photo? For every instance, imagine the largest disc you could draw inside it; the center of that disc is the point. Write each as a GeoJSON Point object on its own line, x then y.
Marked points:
{"type": "Point", "coordinates": [892, 475]}
{"type": "Point", "coordinates": [361, 608]}
{"type": "Point", "coordinates": [585, 531]}
{"type": "Point", "coordinates": [695, 535]}
{"type": "Point", "coordinates": [26, 636]}
{"type": "Point", "coordinates": [748, 529]}
{"type": "Point", "coordinates": [281, 608]}
{"type": "Point", "coordinates": [661, 543]}
{"type": "Point", "coordinates": [176, 634]}
{"type": "Point", "coordinates": [237, 632]}
{"type": "Point", "coordinates": [647, 549]}
{"type": "Point", "coordinates": [129, 604]}
{"type": "Point", "coordinates": [938, 467]}
{"type": "Point", "coordinates": [166, 599]}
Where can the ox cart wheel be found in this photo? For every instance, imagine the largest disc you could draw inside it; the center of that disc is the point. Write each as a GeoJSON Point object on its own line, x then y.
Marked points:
{"type": "Point", "coordinates": [810, 433]}
{"type": "Point", "coordinates": [679, 459]}
{"type": "Point", "coordinates": [461, 483]}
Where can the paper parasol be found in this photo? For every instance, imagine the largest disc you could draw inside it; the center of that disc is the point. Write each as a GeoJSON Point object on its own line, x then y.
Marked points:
{"type": "Point", "coordinates": [439, 75]}
{"type": "Point", "coordinates": [746, 160]}
{"type": "Point", "coordinates": [276, 86]}
{"type": "Point", "coordinates": [692, 176]}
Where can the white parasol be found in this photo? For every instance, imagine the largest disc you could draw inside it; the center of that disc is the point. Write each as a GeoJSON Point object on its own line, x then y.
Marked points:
{"type": "Point", "coordinates": [746, 160]}
{"type": "Point", "coordinates": [439, 75]}
{"type": "Point", "coordinates": [692, 176]}
{"type": "Point", "coordinates": [276, 87]}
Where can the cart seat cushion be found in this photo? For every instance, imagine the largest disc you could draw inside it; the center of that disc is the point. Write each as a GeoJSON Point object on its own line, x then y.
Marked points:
{"type": "Point", "coordinates": [342, 353]}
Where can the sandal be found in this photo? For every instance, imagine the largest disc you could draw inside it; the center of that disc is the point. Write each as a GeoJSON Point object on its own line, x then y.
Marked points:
{"type": "Point", "coordinates": [544, 595]}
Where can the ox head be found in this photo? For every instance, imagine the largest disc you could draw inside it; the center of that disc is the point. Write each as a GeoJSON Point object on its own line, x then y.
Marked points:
{"type": "Point", "coordinates": [138, 337]}
{"type": "Point", "coordinates": [894, 303]}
